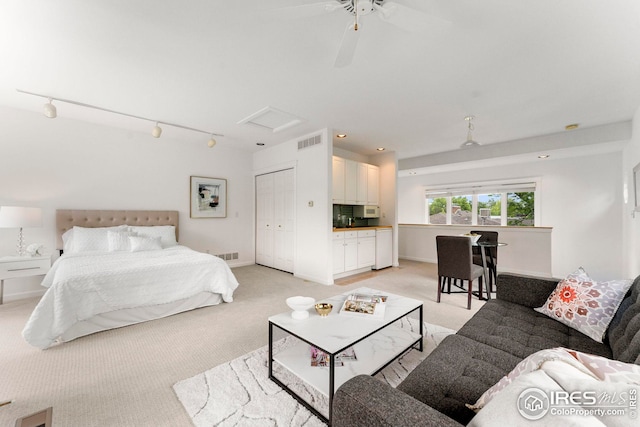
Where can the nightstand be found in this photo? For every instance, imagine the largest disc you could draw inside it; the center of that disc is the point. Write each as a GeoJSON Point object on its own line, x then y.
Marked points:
{"type": "Point", "coordinates": [12, 267]}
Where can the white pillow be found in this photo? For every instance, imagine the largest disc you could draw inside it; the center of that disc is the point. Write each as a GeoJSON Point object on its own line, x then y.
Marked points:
{"type": "Point", "coordinates": [67, 241]}
{"type": "Point", "coordinates": [119, 240]}
{"type": "Point", "coordinates": [167, 233]}
{"type": "Point", "coordinates": [90, 239]}
{"type": "Point", "coordinates": [143, 243]}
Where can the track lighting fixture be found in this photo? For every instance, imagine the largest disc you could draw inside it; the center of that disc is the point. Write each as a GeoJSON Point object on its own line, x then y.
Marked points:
{"type": "Point", "coordinates": [156, 131]}
{"type": "Point", "coordinates": [469, 142]}
{"type": "Point", "coordinates": [51, 112]}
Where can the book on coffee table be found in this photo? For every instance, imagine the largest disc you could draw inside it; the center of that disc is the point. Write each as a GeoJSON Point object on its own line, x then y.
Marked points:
{"type": "Point", "coordinates": [321, 359]}
{"type": "Point", "coordinates": [364, 305]}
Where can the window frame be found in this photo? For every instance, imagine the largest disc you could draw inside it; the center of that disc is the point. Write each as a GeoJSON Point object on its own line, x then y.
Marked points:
{"type": "Point", "coordinates": [487, 187]}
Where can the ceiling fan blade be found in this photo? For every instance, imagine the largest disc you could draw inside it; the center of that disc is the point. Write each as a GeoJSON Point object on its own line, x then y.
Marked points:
{"type": "Point", "coordinates": [308, 10]}
{"type": "Point", "coordinates": [347, 46]}
{"type": "Point", "coordinates": [409, 19]}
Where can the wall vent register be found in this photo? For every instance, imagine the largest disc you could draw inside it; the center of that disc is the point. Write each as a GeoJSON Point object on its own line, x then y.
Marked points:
{"type": "Point", "coordinates": [310, 142]}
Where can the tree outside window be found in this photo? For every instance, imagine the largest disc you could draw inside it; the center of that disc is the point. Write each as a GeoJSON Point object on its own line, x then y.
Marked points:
{"type": "Point", "coordinates": [482, 209]}
{"type": "Point", "coordinates": [520, 209]}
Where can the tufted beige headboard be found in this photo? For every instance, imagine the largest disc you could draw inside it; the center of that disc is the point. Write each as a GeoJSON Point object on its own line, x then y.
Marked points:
{"type": "Point", "coordinates": [67, 218]}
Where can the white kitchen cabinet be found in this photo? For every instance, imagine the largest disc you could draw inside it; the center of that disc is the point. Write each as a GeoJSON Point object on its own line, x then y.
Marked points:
{"type": "Point", "coordinates": [353, 250]}
{"type": "Point", "coordinates": [355, 183]}
{"type": "Point", "coordinates": [339, 174]}
{"type": "Point", "coordinates": [275, 220]}
{"type": "Point", "coordinates": [361, 184]}
{"type": "Point", "coordinates": [338, 253]}
{"type": "Point", "coordinates": [373, 185]}
{"type": "Point", "coordinates": [351, 183]}
{"type": "Point", "coordinates": [366, 248]}
{"type": "Point", "coordinates": [350, 251]}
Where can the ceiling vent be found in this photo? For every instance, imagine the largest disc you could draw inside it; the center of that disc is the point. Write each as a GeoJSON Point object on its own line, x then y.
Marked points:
{"type": "Point", "coordinates": [273, 119]}
{"type": "Point", "coordinates": [310, 142]}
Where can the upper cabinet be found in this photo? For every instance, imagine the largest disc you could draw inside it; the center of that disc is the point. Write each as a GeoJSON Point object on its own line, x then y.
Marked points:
{"type": "Point", "coordinates": [355, 183]}
{"type": "Point", "coordinates": [373, 185]}
{"type": "Point", "coordinates": [339, 171]}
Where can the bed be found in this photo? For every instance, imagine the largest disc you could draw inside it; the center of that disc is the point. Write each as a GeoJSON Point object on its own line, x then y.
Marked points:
{"type": "Point", "coordinates": [119, 268]}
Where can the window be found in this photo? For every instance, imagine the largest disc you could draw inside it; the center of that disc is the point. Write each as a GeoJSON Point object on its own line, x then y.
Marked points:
{"type": "Point", "coordinates": [494, 204]}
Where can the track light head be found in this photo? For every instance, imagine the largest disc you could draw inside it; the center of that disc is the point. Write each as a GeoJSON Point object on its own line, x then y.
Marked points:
{"type": "Point", "coordinates": [156, 131]}
{"type": "Point", "coordinates": [212, 142]}
{"type": "Point", "coordinates": [50, 110]}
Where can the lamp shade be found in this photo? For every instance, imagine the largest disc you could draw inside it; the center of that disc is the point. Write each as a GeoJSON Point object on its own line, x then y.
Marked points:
{"type": "Point", "coordinates": [18, 217]}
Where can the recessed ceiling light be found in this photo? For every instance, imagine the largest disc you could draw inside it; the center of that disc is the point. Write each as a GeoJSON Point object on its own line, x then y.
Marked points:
{"type": "Point", "coordinates": [380, 149]}
{"type": "Point", "coordinates": [543, 156]}
{"type": "Point", "coordinates": [260, 143]}
{"type": "Point", "coordinates": [341, 135]}
{"type": "Point", "coordinates": [572, 126]}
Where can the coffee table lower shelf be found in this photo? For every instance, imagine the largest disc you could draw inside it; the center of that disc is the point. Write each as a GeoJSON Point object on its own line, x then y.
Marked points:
{"type": "Point", "coordinates": [373, 354]}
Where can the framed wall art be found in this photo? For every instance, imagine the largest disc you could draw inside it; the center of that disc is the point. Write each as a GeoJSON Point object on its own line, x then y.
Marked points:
{"type": "Point", "coordinates": [208, 197]}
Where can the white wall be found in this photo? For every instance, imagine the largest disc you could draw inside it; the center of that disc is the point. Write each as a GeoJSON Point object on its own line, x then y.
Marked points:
{"type": "Point", "coordinates": [69, 164]}
{"type": "Point", "coordinates": [631, 224]}
{"type": "Point", "coordinates": [313, 184]}
{"type": "Point", "coordinates": [418, 243]}
{"type": "Point", "coordinates": [581, 199]}
{"type": "Point", "coordinates": [388, 164]}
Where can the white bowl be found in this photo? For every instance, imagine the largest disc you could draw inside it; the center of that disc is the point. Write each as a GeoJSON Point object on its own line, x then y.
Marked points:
{"type": "Point", "coordinates": [300, 305]}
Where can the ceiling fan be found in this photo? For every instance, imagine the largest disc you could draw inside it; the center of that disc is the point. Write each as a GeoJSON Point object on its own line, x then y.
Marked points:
{"type": "Point", "coordinates": [393, 12]}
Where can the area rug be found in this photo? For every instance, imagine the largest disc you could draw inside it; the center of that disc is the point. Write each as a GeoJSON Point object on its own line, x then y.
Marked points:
{"type": "Point", "coordinates": [239, 393]}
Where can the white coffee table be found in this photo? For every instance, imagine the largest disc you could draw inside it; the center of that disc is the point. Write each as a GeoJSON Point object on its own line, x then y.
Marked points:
{"type": "Point", "coordinates": [377, 343]}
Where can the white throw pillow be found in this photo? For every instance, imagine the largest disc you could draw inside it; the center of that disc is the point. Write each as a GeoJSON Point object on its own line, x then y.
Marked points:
{"type": "Point", "coordinates": [119, 241]}
{"type": "Point", "coordinates": [143, 243]}
{"type": "Point", "coordinates": [92, 239]}
{"type": "Point", "coordinates": [167, 233]}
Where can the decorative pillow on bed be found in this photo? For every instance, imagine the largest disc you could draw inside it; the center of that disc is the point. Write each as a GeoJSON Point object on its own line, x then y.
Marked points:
{"type": "Point", "coordinates": [167, 233]}
{"type": "Point", "coordinates": [90, 239]}
{"type": "Point", "coordinates": [584, 304]}
{"type": "Point", "coordinates": [119, 241]}
{"type": "Point", "coordinates": [144, 243]}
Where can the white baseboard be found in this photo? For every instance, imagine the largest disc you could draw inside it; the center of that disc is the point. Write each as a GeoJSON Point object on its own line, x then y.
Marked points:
{"type": "Point", "coordinates": [22, 295]}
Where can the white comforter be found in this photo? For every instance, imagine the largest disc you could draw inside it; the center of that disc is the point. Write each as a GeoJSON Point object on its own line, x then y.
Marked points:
{"type": "Point", "coordinates": [84, 285]}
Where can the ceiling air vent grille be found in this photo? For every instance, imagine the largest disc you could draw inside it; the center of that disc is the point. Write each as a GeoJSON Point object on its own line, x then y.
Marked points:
{"type": "Point", "coordinates": [310, 142]}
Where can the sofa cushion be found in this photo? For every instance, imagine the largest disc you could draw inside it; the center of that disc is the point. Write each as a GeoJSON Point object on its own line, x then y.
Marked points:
{"type": "Point", "coordinates": [521, 331]}
{"type": "Point", "coordinates": [624, 331]}
{"type": "Point", "coordinates": [457, 372]}
{"type": "Point", "coordinates": [585, 304]}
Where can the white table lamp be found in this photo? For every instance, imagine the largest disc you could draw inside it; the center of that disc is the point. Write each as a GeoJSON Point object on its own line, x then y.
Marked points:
{"type": "Point", "coordinates": [20, 217]}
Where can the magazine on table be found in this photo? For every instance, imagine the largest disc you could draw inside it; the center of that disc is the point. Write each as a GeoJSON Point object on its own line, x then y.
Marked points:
{"type": "Point", "coordinates": [364, 305]}
{"type": "Point", "coordinates": [321, 359]}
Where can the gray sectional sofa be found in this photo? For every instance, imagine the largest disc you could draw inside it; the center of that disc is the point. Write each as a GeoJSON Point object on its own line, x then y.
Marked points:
{"type": "Point", "coordinates": [503, 332]}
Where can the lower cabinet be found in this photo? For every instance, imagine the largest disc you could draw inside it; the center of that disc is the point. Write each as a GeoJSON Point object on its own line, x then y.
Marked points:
{"type": "Point", "coordinates": [353, 250]}
{"type": "Point", "coordinates": [366, 248]}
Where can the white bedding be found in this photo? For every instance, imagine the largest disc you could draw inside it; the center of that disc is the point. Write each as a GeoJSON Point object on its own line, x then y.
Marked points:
{"type": "Point", "coordinates": [87, 284]}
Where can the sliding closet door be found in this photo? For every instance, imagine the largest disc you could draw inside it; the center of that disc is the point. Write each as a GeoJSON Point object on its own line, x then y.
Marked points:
{"type": "Point", "coordinates": [283, 231]}
{"type": "Point", "coordinates": [275, 220]}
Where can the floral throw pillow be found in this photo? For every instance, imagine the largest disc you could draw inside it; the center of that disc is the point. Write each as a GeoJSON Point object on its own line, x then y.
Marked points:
{"type": "Point", "coordinates": [584, 304]}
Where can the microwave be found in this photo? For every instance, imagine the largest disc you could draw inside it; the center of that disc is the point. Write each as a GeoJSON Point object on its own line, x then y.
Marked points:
{"type": "Point", "coordinates": [366, 211]}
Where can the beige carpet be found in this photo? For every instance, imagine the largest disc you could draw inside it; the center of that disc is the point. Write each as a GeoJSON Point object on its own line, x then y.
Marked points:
{"type": "Point", "coordinates": [124, 377]}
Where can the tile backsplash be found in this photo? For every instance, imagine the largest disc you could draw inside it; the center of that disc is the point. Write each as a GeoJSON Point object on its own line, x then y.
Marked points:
{"type": "Point", "coordinates": [341, 215]}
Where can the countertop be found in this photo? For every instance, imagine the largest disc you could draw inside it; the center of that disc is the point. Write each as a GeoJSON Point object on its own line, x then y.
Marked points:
{"type": "Point", "coordinates": [373, 227]}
